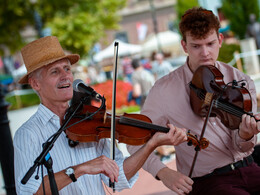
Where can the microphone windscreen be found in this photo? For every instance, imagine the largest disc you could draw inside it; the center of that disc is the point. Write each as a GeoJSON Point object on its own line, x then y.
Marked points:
{"type": "Point", "coordinates": [75, 84]}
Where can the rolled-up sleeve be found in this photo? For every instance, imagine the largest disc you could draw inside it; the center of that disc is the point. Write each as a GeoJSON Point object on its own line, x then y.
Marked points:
{"type": "Point", "coordinates": [152, 165]}
{"type": "Point", "coordinates": [122, 183]}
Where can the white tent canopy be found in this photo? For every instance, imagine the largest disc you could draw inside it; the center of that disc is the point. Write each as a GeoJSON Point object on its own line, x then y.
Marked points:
{"type": "Point", "coordinates": [167, 39]}
{"type": "Point", "coordinates": [123, 49]}
{"type": "Point", "coordinates": [18, 73]}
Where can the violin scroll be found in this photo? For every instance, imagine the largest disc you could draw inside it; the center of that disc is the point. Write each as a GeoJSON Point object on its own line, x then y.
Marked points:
{"type": "Point", "coordinates": [199, 144]}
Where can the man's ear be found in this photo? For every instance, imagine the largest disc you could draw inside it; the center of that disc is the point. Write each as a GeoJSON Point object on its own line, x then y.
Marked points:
{"type": "Point", "coordinates": [34, 83]}
{"type": "Point", "coordinates": [184, 46]}
{"type": "Point", "coordinates": [220, 39]}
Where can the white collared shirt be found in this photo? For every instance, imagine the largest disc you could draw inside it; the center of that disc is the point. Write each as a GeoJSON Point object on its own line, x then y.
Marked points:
{"type": "Point", "coordinates": [28, 142]}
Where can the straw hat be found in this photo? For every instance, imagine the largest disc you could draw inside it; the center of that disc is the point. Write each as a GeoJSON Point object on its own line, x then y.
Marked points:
{"type": "Point", "coordinates": [42, 52]}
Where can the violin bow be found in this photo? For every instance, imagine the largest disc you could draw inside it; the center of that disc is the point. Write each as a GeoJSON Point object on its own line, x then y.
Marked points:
{"type": "Point", "coordinates": [209, 97]}
{"type": "Point", "coordinates": [113, 115]}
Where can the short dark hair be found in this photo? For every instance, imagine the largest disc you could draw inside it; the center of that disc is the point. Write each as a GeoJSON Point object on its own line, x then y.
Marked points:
{"type": "Point", "coordinates": [135, 63]}
{"type": "Point", "coordinates": [198, 22]}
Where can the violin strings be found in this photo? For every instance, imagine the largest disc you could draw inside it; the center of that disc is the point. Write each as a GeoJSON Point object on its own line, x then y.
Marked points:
{"type": "Point", "coordinates": [143, 124]}
{"type": "Point", "coordinates": [228, 108]}
{"type": "Point", "coordinates": [232, 109]}
{"type": "Point", "coordinates": [131, 121]}
{"type": "Point", "coordinates": [136, 122]}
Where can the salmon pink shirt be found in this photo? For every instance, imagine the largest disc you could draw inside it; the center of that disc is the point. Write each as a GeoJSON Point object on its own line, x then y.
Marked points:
{"type": "Point", "coordinates": [169, 102]}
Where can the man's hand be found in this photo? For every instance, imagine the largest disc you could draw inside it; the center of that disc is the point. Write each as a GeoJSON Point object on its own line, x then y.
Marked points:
{"type": "Point", "coordinates": [101, 164]}
{"type": "Point", "coordinates": [249, 127]}
{"type": "Point", "coordinates": [175, 181]}
{"type": "Point", "coordinates": [174, 137]}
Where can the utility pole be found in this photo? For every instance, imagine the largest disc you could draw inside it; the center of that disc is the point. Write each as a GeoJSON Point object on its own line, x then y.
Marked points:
{"type": "Point", "coordinates": [155, 27]}
{"type": "Point", "coordinates": [6, 147]}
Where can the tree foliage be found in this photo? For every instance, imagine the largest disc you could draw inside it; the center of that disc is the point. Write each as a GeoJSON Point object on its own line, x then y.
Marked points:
{"type": "Point", "coordinates": [77, 23]}
{"type": "Point", "coordinates": [237, 12]}
{"type": "Point", "coordinates": [14, 16]}
{"type": "Point", "coordinates": [183, 5]}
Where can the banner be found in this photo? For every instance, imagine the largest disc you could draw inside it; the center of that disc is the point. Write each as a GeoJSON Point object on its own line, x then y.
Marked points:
{"type": "Point", "coordinates": [141, 31]}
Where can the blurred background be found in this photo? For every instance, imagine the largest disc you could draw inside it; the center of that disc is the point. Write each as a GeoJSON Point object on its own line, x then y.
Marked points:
{"type": "Point", "coordinates": [143, 28]}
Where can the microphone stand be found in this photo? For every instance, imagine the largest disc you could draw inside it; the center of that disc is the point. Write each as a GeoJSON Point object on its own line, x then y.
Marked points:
{"type": "Point", "coordinates": [45, 159]}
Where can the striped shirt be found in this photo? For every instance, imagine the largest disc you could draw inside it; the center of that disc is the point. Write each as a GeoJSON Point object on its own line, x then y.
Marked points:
{"type": "Point", "coordinates": [28, 142]}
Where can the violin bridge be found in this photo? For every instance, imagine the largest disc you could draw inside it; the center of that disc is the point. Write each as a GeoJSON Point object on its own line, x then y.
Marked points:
{"type": "Point", "coordinates": [208, 98]}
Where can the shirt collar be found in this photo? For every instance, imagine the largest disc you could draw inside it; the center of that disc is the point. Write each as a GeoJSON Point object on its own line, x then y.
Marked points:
{"type": "Point", "coordinates": [187, 71]}
{"type": "Point", "coordinates": [46, 114]}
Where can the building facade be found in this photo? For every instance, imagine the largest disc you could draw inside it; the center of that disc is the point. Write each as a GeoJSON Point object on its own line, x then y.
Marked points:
{"type": "Point", "coordinates": [141, 19]}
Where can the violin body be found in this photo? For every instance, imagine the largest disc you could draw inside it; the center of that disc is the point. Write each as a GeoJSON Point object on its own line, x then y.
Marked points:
{"type": "Point", "coordinates": [132, 129]}
{"type": "Point", "coordinates": [230, 102]}
{"type": "Point", "coordinates": [99, 126]}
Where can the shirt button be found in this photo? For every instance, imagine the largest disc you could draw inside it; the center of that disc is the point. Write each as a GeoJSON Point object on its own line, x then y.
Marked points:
{"type": "Point", "coordinates": [214, 123]}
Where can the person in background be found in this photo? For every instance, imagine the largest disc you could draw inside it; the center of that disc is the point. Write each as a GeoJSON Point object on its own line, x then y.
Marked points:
{"type": "Point", "coordinates": [145, 62]}
{"type": "Point", "coordinates": [127, 68]}
{"type": "Point", "coordinates": [253, 30]}
{"type": "Point", "coordinates": [142, 81]}
{"type": "Point", "coordinates": [226, 166]}
{"type": "Point", "coordinates": [77, 170]}
{"type": "Point", "coordinates": [160, 66]}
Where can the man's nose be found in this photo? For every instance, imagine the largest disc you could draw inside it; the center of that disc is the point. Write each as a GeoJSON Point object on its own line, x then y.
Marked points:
{"type": "Point", "coordinates": [205, 51]}
{"type": "Point", "coordinates": [64, 74]}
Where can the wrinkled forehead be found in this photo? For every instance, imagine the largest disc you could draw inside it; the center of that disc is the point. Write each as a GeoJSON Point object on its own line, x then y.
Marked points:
{"type": "Point", "coordinates": [58, 63]}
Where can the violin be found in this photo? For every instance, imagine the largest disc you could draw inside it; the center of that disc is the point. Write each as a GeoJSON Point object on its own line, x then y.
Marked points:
{"type": "Point", "coordinates": [229, 102]}
{"type": "Point", "coordinates": [132, 129]}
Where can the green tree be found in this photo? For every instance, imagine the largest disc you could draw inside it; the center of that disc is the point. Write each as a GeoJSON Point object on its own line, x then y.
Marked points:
{"type": "Point", "coordinates": [77, 23]}
{"type": "Point", "coordinates": [14, 16]}
{"type": "Point", "coordinates": [183, 5]}
{"type": "Point", "coordinates": [237, 12]}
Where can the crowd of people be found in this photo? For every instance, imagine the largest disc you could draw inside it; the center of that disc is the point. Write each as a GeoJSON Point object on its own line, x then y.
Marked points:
{"type": "Point", "coordinates": [226, 166]}
{"type": "Point", "coordinates": [142, 73]}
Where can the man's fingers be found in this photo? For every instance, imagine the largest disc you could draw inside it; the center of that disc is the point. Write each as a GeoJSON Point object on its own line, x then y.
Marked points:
{"type": "Point", "coordinates": [180, 135]}
{"type": "Point", "coordinates": [112, 170]}
{"type": "Point", "coordinates": [104, 165]}
{"type": "Point", "coordinates": [186, 185]}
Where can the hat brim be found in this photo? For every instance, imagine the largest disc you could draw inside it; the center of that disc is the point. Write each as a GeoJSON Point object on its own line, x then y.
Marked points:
{"type": "Point", "coordinates": [73, 58]}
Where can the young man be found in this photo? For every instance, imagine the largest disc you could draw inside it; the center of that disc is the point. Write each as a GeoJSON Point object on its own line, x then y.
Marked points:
{"type": "Point", "coordinates": [226, 165]}
{"type": "Point", "coordinates": [77, 170]}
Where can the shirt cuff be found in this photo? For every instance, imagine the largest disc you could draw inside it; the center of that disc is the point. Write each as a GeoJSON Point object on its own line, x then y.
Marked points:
{"type": "Point", "coordinates": [244, 145]}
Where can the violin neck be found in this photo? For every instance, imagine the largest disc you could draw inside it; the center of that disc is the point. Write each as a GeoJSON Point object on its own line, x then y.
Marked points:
{"type": "Point", "coordinates": [232, 109]}
{"type": "Point", "coordinates": [227, 107]}
{"type": "Point", "coordinates": [142, 124]}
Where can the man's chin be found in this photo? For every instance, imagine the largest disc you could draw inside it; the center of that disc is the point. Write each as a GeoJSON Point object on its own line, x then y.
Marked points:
{"type": "Point", "coordinates": [206, 64]}
{"type": "Point", "coordinates": [66, 98]}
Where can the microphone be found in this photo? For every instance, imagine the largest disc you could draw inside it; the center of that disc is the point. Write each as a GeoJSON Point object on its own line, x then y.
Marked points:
{"type": "Point", "coordinates": [79, 86]}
